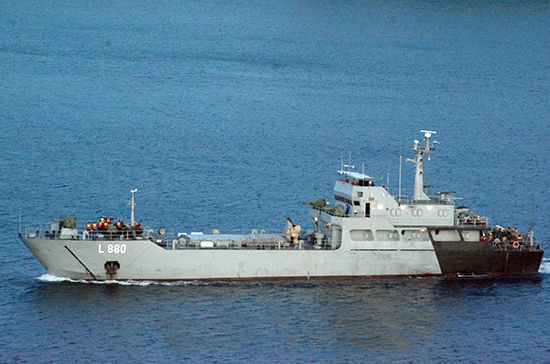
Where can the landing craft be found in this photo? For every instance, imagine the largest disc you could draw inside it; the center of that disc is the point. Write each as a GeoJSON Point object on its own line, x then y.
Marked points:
{"type": "Point", "coordinates": [368, 233]}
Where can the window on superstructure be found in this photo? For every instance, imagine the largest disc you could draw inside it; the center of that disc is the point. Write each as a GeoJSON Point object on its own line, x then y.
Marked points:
{"type": "Point", "coordinates": [387, 235]}
{"type": "Point", "coordinates": [361, 235]}
{"type": "Point", "coordinates": [336, 236]}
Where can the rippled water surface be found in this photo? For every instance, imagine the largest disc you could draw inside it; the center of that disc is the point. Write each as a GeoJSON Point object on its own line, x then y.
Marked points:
{"type": "Point", "coordinates": [231, 114]}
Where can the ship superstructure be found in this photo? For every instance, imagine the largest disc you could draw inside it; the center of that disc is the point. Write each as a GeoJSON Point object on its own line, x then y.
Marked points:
{"type": "Point", "coordinates": [367, 232]}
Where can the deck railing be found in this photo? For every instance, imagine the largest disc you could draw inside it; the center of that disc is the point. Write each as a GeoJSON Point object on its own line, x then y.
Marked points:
{"type": "Point", "coordinates": [45, 231]}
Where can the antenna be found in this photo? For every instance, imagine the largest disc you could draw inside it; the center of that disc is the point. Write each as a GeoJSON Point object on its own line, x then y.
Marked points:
{"type": "Point", "coordinates": [349, 165]}
{"type": "Point", "coordinates": [132, 206]}
{"type": "Point", "coordinates": [400, 163]}
{"type": "Point", "coordinates": [532, 223]}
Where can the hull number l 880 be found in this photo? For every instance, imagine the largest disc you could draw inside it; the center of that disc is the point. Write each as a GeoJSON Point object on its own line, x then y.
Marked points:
{"type": "Point", "coordinates": [112, 249]}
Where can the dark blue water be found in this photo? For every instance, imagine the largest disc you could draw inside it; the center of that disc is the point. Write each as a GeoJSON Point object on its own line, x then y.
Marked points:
{"type": "Point", "coordinates": [231, 114]}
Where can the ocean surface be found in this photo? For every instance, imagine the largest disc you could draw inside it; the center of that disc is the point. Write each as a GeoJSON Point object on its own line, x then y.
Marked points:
{"type": "Point", "coordinates": [230, 114]}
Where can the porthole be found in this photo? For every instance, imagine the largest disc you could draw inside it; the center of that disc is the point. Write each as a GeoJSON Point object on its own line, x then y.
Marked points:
{"type": "Point", "coordinates": [395, 212]}
{"type": "Point", "coordinates": [416, 212]}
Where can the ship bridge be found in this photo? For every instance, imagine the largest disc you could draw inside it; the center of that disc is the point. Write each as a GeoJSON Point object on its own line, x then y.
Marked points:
{"type": "Point", "coordinates": [355, 191]}
{"type": "Point", "coordinates": [357, 196]}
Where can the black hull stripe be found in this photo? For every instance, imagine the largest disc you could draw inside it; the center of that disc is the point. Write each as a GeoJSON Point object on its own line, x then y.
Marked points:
{"type": "Point", "coordinates": [74, 255]}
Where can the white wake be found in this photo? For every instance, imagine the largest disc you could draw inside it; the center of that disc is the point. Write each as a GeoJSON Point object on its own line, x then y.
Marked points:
{"type": "Point", "coordinates": [52, 278]}
{"type": "Point", "coordinates": [545, 265]}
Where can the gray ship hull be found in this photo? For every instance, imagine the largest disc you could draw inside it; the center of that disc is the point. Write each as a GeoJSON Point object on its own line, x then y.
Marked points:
{"type": "Point", "coordinates": [145, 260]}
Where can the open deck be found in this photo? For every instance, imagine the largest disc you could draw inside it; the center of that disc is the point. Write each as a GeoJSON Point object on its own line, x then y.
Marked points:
{"type": "Point", "coordinates": [237, 239]}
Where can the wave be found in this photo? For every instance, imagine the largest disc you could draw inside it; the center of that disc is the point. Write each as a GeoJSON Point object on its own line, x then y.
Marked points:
{"type": "Point", "coordinates": [545, 266]}
{"type": "Point", "coordinates": [50, 278]}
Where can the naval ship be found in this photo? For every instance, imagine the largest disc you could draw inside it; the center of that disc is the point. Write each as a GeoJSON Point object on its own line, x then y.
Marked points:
{"type": "Point", "coordinates": [366, 232]}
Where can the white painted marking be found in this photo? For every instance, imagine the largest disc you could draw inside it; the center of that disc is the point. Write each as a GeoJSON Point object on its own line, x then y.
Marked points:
{"type": "Point", "coordinates": [112, 249]}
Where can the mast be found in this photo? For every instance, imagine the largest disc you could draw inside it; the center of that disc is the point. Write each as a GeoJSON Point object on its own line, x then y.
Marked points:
{"type": "Point", "coordinates": [132, 206]}
{"type": "Point", "coordinates": [419, 194]}
{"type": "Point", "coordinates": [399, 193]}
